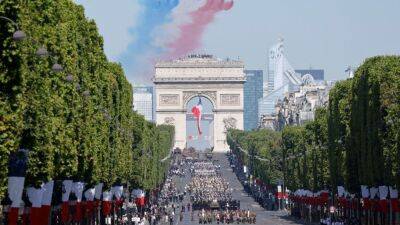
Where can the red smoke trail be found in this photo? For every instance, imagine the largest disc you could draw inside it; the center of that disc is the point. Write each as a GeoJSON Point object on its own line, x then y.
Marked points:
{"type": "Point", "coordinates": [191, 33]}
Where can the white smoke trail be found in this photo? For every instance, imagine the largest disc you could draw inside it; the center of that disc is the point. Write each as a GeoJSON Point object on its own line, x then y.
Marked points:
{"type": "Point", "coordinates": [180, 15]}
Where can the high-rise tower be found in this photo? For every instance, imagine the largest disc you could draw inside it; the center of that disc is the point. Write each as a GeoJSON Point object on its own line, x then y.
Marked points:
{"type": "Point", "coordinates": [281, 78]}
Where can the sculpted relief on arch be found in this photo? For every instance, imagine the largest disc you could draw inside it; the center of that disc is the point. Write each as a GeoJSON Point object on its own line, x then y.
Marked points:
{"type": "Point", "coordinates": [187, 95]}
{"type": "Point", "coordinates": [168, 99]}
{"type": "Point", "coordinates": [230, 123]}
{"type": "Point", "coordinates": [169, 121]}
{"type": "Point", "coordinates": [230, 99]}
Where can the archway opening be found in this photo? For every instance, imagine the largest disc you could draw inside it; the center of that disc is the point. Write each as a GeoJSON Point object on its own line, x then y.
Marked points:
{"type": "Point", "coordinates": [200, 135]}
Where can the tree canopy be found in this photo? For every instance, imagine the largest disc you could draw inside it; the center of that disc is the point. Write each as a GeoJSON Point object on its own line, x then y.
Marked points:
{"type": "Point", "coordinates": [354, 141]}
{"type": "Point", "coordinates": [78, 123]}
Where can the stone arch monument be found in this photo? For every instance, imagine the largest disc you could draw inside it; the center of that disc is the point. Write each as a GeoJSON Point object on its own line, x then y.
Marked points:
{"type": "Point", "coordinates": [220, 81]}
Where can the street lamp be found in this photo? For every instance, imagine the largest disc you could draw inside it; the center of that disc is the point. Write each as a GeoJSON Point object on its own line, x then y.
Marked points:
{"type": "Point", "coordinates": [42, 52]}
{"type": "Point", "coordinates": [18, 35]}
{"type": "Point", "coordinates": [57, 68]}
{"type": "Point", "coordinates": [69, 78]}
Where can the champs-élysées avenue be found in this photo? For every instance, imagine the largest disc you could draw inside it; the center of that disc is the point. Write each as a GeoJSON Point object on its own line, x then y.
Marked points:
{"type": "Point", "coordinates": [185, 112]}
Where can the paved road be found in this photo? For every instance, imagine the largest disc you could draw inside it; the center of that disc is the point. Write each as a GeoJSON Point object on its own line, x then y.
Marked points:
{"type": "Point", "coordinates": [263, 217]}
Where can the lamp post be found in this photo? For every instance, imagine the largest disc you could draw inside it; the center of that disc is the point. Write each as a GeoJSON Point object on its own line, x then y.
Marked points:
{"type": "Point", "coordinates": [69, 78]}
{"type": "Point", "coordinates": [57, 68]}
{"type": "Point", "coordinates": [18, 35]}
{"type": "Point", "coordinates": [42, 52]}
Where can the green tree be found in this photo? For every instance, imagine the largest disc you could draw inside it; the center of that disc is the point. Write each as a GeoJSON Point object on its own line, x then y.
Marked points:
{"type": "Point", "coordinates": [77, 124]}
{"type": "Point", "coordinates": [371, 104]}
{"type": "Point", "coordinates": [339, 134]}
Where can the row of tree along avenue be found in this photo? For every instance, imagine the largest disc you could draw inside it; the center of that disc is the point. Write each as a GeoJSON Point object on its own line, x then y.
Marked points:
{"type": "Point", "coordinates": [66, 117]}
{"type": "Point", "coordinates": [350, 152]}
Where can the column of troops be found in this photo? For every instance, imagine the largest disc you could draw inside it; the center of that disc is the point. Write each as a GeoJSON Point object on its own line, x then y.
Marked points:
{"type": "Point", "coordinates": [211, 195]}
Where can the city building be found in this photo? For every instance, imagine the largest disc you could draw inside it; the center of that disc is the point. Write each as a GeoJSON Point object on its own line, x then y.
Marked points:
{"type": "Point", "coordinates": [298, 107]}
{"type": "Point", "coordinates": [143, 97]}
{"type": "Point", "coordinates": [267, 122]}
{"type": "Point", "coordinates": [281, 78]}
{"type": "Point", "coordinates": [253, 91]}
{"type": "Point", "coordinates": [317, 74]}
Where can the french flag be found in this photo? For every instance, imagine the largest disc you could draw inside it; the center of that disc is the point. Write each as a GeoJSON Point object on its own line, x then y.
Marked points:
{"type": "Point", "coordinates": [140, 197]}
{"type": "Point", "coordinates": [197, 110]}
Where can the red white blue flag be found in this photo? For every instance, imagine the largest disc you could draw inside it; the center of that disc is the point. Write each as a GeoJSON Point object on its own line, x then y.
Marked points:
{"type": "Point", "coordinates": [140, 197]}
{"type": "Point", "coordinates": [197, 110]}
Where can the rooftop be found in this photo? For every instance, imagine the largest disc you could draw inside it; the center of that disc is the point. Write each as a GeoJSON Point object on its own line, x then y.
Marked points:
{"type": "Point", "coordinates": [202, 61]}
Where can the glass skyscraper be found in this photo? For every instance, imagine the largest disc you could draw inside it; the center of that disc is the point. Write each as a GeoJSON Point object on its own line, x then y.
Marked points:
{"type": "Point", "coordinates": [281, 78]}
{"type": "Point", "coordinates": [143, 101]}
{"type": "Point", "coordinates": [253, 91]}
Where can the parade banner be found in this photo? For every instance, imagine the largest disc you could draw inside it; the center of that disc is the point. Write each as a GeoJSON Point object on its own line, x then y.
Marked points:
{"type": "Point", "coordinates": [35, 196]}
{"type": "Point", "coordinates": [46, 201]}
{"type": "Point", "coordinates": [366, 203]}
{"type": "Point", "coordinates": [77, 189]}
{"type": "Point", "coordinates": [66, 189]}
{"type": "Point", "coordinates": [364, 191]}
{"type": "Point", "coordinates": [383, 203]}
{"type": "Point", "coordinates": [373, 192]}
{"type": "Point", "coordinates": [107, 198]}
{"type": "Point", "coordinates": [117, 193]}
{"type": "Point", "coordinates": [394, 199]}
{"type": "Point", "coordinates": [97, 195]}
{"type": "Point", "coordinates": [98, 190]}
{"type": "Point", "coordinates": [139, 197]}
{"type": "Point", "coordinates": [16, 180]}
{"type": "Point", "coordinates": [15, 188]}
{"type": "Point", "coordinates": [89, 196]}
{"type": "Point", "coordinates": [280, 194]}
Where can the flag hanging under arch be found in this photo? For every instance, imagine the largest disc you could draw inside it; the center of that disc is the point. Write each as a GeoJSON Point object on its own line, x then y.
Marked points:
{"type": "Point", "coordinates": [197, 110]}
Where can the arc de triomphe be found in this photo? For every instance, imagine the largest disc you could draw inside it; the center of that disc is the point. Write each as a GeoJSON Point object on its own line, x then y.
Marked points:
{"type": "Point", "coordinates": [220, 81]}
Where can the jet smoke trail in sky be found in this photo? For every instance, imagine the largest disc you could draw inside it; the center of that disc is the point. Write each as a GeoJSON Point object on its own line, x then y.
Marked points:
{"type": "Point", "coordinates": [142, 50]}
{"type": "Point", "coordinates": [180, 16]}
{"type": "Point", "coordinates": [167, 29]}
{"type": "Point", "coordinates": [192, 32]}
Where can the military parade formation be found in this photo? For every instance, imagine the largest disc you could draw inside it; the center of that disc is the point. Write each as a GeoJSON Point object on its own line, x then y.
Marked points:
{"type": "Point", "coordinates": [194, 188]}
{"type": "Point", "coordinates": [207, 188]}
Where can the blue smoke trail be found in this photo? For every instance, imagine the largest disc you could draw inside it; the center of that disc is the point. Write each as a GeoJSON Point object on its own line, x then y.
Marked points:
{"type": "Point", "coordinates": [154, 14]}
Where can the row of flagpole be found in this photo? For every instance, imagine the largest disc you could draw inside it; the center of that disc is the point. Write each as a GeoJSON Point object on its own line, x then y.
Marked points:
{"type": "Point", "coordinates": [88, 204]}
{"type": "Point", "coordinates": [377, 205]}
{"type": "Point", "coordinates": [36, 204]}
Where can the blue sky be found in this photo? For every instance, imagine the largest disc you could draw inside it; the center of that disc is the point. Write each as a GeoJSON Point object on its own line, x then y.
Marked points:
{"type": "Point", "coordinates": [327, 34]}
